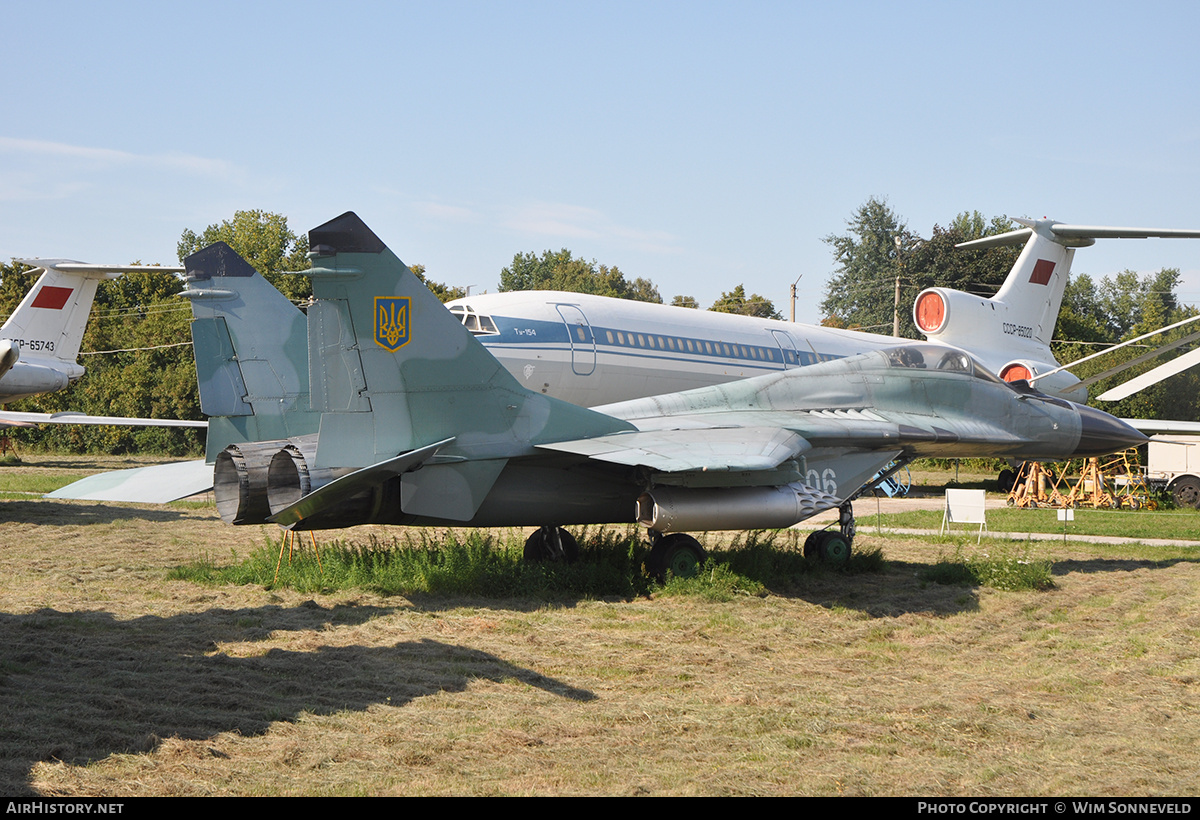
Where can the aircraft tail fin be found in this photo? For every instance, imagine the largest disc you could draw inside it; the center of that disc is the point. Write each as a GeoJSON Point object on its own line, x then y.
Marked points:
{"type": "Point", "coordinates": [251, 349]}
{"type": "Point", "coordinates": [1011, 331]}
{"type": "Point", "coordinates": [50, 321]}
{"type": "Point", "coordinates": [392, 370]}
{"type": "Point", "coordinates": [379, 394]}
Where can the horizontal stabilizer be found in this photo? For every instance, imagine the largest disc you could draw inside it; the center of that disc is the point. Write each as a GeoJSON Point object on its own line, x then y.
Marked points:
{"type": "Point", "coordinates": [348, 485]}
{"type": "Point", "coordinates": [1101, 232]}
{"type": "Point", "coordinates": [146, 485]}
{"type": "Point", "coordinates": [12, 419]}
{"type": "Point", "coordinates": [94, 271]}
{"type": "Point", "coordinates": [735, 449]}
{"type": "Point", "coordinates": [1077, 235]}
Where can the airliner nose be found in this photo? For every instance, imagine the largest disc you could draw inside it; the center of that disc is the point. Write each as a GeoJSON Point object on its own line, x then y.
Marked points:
{"type": "Point", "coordinates": [1101, 434]}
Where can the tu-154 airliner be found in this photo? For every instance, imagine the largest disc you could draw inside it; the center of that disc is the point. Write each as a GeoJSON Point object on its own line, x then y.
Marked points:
{"type": "Point", "coordinates": [592, 350]}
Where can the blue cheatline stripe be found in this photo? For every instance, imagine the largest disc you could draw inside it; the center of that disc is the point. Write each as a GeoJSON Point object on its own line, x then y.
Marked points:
{"type": "Point", "coordinates": [518, 335]}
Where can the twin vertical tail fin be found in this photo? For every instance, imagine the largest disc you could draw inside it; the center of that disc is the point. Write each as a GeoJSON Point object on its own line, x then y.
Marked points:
{"type": "Point", "coordinates": [378, 400]}
{"type": "Point", "coordinates": [1011, 331]}
{"type": "Point", "coordinates": [251, 349]}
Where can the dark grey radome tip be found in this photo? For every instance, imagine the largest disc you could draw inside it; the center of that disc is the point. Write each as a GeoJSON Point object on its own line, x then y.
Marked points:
{"type": "Point", "coordinates": [1101, 434]}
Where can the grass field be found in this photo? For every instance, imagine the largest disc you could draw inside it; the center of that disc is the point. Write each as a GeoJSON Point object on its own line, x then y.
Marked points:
{"type": "Point", "coordinates": [120, 678]}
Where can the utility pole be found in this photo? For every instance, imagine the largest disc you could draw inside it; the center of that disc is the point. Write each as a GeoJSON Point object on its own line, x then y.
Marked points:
{"type": "Point", "coordinates": [798, 278]}
{"type": "Point", "coordinates": [896, 306]}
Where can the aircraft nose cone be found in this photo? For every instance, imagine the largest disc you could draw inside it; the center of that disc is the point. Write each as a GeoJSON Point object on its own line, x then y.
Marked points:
{"type": "Point", "coordinates": [1102, 434]}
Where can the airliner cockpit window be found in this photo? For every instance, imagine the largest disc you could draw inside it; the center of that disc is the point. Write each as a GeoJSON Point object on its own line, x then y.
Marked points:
{"type": "Point", "coordinates": [479, 325]}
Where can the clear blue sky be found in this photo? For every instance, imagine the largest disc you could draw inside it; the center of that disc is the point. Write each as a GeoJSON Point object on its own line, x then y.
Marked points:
{"type": "Point", "coordinates": [698, 144]}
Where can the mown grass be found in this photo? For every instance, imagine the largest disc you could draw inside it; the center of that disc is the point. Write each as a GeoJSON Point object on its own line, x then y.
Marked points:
{"type": "Point", "coordinates": [1184, 524]}
{"type": "Point", "coordinates": [1001, 566]}
{"type": "Point", "coordinates": [19, 484]}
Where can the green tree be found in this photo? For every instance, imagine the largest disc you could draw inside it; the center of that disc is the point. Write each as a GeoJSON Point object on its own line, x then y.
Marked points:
{"type": "Point", "coordinates": [939, 262]}
{"type": "Point", "coordinates": [1119, 308]}
{"type": "Point", "coordinates": [736, 301]}
{"type": "Point", "coordinates": [879, 248]}
{"type": "Point", "coordinates": [860, 291]}
{"type": "Point", "coordinates": [559, 270]}
{"type": "Point", "coordinates": [973, 225]}
{"type": "Point", "coordinates": [15, 281]}
{"type": "Point", "coordinates": [265, 241]}
{"type": "Point", "coordinates": [685, 301]}
{"type": "Point", "coordinates": [441, 291]}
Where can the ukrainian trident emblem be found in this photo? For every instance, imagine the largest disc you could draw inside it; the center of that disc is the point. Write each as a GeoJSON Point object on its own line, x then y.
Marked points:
{"type": "Point", "coordinates": [391, 321]}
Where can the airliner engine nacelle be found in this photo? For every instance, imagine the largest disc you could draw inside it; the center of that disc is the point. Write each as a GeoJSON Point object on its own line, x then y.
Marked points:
{"type": "Point", "coordinates": [24, 379]}
{"type": "Point", "coordinates": [1059, 384]}
{"type": "Point", "coordinates": [10, 352]}
{"type": "Point", "coordinates": [942, 312]}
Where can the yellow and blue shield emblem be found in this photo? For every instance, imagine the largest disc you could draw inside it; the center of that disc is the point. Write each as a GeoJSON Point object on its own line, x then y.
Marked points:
{"type": "Point", "coordinates": [391, 321]}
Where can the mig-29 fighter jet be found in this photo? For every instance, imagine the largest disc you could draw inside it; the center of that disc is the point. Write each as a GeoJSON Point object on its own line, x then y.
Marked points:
{"type": "Point", "coordinates": [398, 415]}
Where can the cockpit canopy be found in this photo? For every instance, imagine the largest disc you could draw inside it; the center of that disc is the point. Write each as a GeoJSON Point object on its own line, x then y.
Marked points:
{"type": "Point", "coordinates": [479, 324]}
{"type": "Point", "coordinates": [937, 357]}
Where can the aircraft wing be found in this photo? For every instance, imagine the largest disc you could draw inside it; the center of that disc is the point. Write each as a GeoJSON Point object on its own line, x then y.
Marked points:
{"type": "Point", "coordinates": [1152, 426]}
{"type": "Point", "coordinates": [733, 449]}
{"type": "Point", "coordinates": [147, 485]}
{"type": "Point", "coordinates": [12, 419]}
{"type": "Point", "coordinates": [1152, 377]}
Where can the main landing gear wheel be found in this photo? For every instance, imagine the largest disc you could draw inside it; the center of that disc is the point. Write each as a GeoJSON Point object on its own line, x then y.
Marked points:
{"type": "Point", "coordinates": [552, 544]}
{"type": "Point", "coordinates": [677, 555]}
{"type": "Point", "coordinates": [828, 547]}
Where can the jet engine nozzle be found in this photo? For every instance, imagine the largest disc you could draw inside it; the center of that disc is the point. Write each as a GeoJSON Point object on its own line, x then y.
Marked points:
{"type": "Point", "coordinates": [240, 481]}
{"type": "Point", "coordinates": [292, 474]}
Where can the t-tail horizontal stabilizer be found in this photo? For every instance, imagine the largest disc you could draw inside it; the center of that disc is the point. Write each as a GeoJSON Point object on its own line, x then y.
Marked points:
{"type": "Point", "coordinates": [1016, 324]}
{"type": "Point", "coordinates": [40, 340]}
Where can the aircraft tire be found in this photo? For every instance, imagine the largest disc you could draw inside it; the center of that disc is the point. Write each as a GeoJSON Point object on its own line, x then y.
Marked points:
{"type": "Point", "coordinates": [828, 547]}
{"type": "Point", "coordinates": [678, 555]}
{"type": "Point", "coordinates": [540, 546]}
{"type": "Point", "coordinates": [1006, 480]}
{"type": "Point", "coordinates": [1186, 492]}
